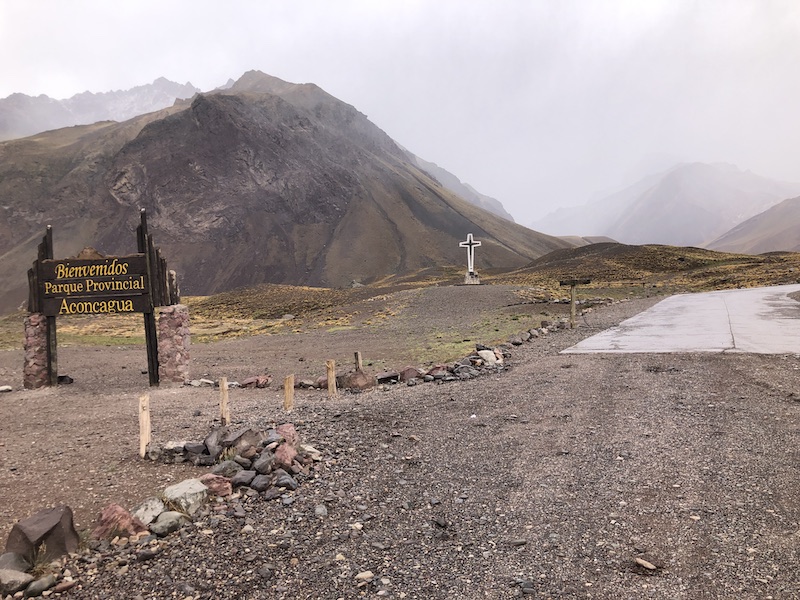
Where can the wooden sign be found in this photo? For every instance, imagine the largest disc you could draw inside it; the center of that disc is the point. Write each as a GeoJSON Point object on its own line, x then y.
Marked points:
{"type": "Point", "coordinates": [94, 286]}
{"type": "Point", "coordinates": [574, 282]}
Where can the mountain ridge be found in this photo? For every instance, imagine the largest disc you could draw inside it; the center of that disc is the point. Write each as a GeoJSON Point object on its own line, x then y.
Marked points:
{"type": "Point", "coordinates": [777, 229]}
{"type": "Point", "coordinates": [22, 115]}
{"type": "Point", "coordinates": [245, 186]}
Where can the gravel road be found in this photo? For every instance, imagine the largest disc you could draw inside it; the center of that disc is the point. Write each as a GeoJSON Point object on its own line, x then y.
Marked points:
{"type": "Point", "coordinates": [549, 480]}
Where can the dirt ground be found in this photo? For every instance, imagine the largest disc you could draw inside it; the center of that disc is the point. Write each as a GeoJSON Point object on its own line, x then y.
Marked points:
{"type": "Point", "coordinates": [547, 480]}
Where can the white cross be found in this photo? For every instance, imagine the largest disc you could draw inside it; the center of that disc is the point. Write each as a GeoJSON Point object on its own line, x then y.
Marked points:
{"type": "Point", "coordinates": [470, 245]}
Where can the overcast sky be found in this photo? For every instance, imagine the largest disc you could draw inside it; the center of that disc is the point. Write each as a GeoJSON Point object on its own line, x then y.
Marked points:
{"type": "Point", "coordinates": [538, 103]}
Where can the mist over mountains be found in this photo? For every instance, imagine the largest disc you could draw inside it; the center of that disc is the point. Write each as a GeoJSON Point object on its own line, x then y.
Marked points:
{"type": "Point", "coordinates": [22, 115]}
{"type": "Point", "coordinates": [266, 181]}
{"type": "Point", "coordinates": [691, 204]}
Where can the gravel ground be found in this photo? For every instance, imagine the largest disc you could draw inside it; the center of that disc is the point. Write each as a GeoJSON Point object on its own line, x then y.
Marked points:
{"type": "Point", "coordinates": [548, 480]}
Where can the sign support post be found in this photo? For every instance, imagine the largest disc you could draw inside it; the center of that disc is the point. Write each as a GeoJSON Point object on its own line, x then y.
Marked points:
{"type": "Point", "coordinates": [52, 343]}
{"type": "Point", "coordinates": [150, 335]}
{"type": "Point", "coordinates": [573, 284]}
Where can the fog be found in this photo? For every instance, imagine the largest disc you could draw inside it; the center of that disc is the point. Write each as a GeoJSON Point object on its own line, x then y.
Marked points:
{"type": "Point", "coordinates": [539, 104]}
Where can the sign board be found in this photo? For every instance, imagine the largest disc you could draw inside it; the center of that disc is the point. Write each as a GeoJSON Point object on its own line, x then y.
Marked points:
{"type": "Point", "coordinates": [574, 282]}
{"type": "Point", "coordinates": [94, 286]}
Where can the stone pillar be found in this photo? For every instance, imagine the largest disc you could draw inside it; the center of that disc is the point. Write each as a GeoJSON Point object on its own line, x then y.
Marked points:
{"type": "Point", "coordinates": [173, 343]}
{"type": "Point", "coordinates": [34, 370]}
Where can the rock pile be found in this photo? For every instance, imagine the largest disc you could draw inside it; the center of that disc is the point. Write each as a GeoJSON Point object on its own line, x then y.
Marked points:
{"type": "Point", "coordinates": [244, 462]}
{"type": "Point", "coordinates": [484, 360]}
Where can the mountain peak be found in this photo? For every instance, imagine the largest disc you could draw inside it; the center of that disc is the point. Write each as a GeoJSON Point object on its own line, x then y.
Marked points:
{"type": "Point", "coordinates": [258, 82]}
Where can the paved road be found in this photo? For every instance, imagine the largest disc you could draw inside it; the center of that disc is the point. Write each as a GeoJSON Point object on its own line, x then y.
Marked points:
{"type": "Point", "coordinates": [755, 320]}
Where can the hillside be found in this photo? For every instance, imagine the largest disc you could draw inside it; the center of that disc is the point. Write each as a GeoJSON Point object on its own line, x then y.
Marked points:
{"type": "Point", "coordinates": [774, 230]}
{"type": "Point", "coordinates": [265, 182]}
{"type": "Point", "coordinates": [464, 190]}
{"type": "Point", "coordinates": [688, 205]}
{"type": "Point", "coordinates": [22, 115]}
{"type": "Point", "coordinates": [653, 269]}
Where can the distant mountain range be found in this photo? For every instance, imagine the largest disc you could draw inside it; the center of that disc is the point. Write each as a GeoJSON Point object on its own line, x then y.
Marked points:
{"type": "Point", "coordinates": [22, 115]}
{"type": "Point", "coordinates": [267, 181]}
{"type": "Point", "coordinates": [689, 205]}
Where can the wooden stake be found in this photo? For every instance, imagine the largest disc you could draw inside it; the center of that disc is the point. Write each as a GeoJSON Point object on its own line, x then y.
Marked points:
{"type": "Point", "coordinates": [144, 424]}
{"type": "Point", "coordinates": [288, 393]}
{"type": "Point", "coordinates": [572, 306]}
{"type": "Point", "coordinates": [359, 364]}
{"type": "Point", "coordinates": [330, 366]}
{"type": "Point", "coordinates": [224, 411]}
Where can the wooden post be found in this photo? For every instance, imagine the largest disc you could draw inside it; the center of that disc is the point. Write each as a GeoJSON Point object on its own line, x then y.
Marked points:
{"type": "Point", "coordinates": [573, 284]}
{"type": "Point", "coordinates": [288, 393]}
{"type": "Point", "coordinates": [572, 306]}
{"type": "Point", "coordinates": [330, 366]}
{"type": "Point", "coordinates": [52, 342]}
{"type": "Point", "coordinates": [224, 411]}
{"type": "Point", "coordinates": [144, 424]}
{"type": "Point", "coordinates": [150, 332]}
{"type": "Point", "coordinates": [359, 364]}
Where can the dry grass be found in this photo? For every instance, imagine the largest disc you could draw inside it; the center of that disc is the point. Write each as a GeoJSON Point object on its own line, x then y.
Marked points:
{"type": "Point", "coordinates": [616, 270]}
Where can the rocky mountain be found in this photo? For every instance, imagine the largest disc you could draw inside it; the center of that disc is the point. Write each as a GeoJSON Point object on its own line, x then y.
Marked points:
{"type": "Point", "coordinates": [266, 181]}
{"type": "Point", "coordinates": [466, 191]}
{"type": "Point", "coordinates": [22, 115]}
{"type": "Point", "coordinates": [688, 205]}
{"type": "Point", "coordinates": [774, 230]}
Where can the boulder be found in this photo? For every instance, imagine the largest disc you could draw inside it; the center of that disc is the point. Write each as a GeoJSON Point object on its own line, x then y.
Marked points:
{"type": "Point", "coordinates": [217, 484]}
{"type": "Point", "coordinates": [148, 511]}
{"type": "Point", "coordinates": [213, 441]}
{"type": "Point", "coordinates": [51, 528]}
{"type": "Point", "coordinates": [261, 483]}
{"type": "Point", "coordinates": [288, 433]}
{"type": "Point", "coordinates": [195, 447]}
{"type": "Point", "coordinates": [285, 455]}
{"type": "Point", "coordinates": [188, 495]}
{"type": "Point", "coordinates": [264, 464]}
{"type": "Point", "coordinates": [409, 373]}
{"type": "Point", "coordinates": [35, 588]}
{"type": "Point", "coordinates": [243, 478]}
{"type": "Point", "coordinates": [284, 480]}
{"type": "Point", "coordinates": [168, 522]}
{"type": "Point", "coordinates": [227, 468]}
{"type": "Point", "coordinates": [438, 371]}
{"type": "Point", "coordinates": [488, 356]}
{"type": "Point", "coordinates": [12, 582]}
{"type": "Point", "coordinates": [116, 521]}
{"type": "Point", "coordinates": [11, 561]}
{"type": "Point", "coordinates": [387, 377]}
{"type": "Point", "coordinates": [259, 381]}
{"type": "Point", "coordinates": [356, 380]}
{"type": "Point", "coordinates": [242, 439]}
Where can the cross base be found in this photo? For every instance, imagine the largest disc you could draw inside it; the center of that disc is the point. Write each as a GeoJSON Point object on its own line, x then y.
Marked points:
{"type": "Point", "coordinates": [471, 278]}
